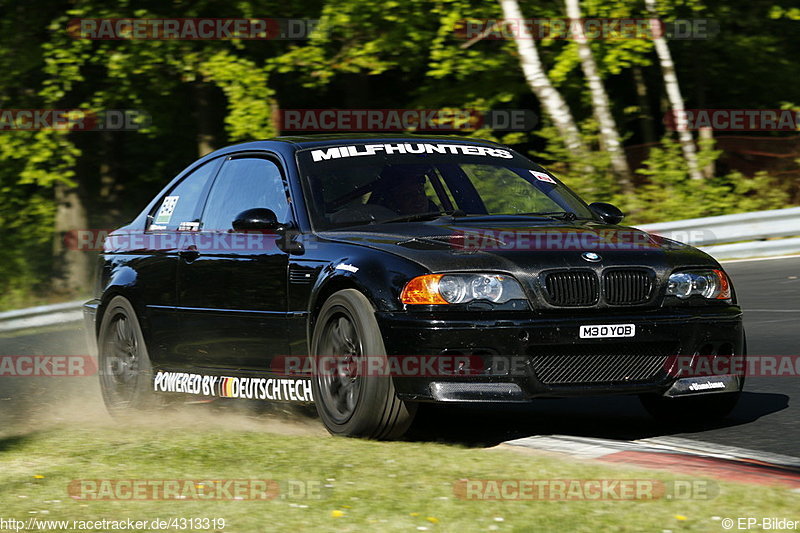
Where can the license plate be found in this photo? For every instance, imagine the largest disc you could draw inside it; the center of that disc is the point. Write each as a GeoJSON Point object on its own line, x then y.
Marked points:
{"type": "Point", "coordinates": [608, 331]}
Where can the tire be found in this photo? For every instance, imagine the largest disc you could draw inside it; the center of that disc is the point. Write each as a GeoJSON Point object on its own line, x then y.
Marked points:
{"type": "Point", "coordinates": [126, 374]}
{"type": "Point", "coordinates": [365, 405]}
{"type": "Point", "coordinates": [690, 410]}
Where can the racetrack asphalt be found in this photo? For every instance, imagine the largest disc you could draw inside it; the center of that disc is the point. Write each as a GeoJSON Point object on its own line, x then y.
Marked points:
{"type": "Point", "coordinates": [767, 418]}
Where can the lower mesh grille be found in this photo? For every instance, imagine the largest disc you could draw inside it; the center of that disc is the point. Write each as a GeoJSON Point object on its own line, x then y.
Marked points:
{"type": "Point", "coordinates": [597, 364]}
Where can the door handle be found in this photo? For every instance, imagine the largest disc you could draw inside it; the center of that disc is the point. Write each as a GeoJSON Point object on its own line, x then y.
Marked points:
{"type": "Point", "coordinates": [189, 254]}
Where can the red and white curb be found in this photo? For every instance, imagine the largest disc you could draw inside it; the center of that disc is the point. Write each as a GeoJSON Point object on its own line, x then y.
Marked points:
{"type": "Point", "coordinates": [678, 455]}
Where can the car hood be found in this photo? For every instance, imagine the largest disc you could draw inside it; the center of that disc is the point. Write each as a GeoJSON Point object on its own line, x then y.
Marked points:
{"type": "Point", "coordinates": [523, 248]}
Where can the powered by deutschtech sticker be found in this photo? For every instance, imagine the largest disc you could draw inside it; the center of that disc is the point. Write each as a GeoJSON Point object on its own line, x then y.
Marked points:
{"type": "Point", "coordinates": [274, 389]}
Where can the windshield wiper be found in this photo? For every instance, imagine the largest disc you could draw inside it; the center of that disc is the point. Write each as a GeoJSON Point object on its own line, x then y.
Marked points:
{"type": "Point", "coordinates": [423, 216]}
{"type": "Point", "coordinates": [555, 215]}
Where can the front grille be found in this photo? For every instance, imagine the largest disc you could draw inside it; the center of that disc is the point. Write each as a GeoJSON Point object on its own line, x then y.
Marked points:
{"type": "Point", "coordinates": [575, 288]}
{"type": "Point", "coordinates": [593, 364]}
{"type": "Point", "coordinates": [572, 288]}
{"type": "Point", "coordinates": [627, 287]}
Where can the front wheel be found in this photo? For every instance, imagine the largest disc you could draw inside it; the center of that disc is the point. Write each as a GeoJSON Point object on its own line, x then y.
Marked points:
{"type": "Point", "coordinates": [354, 403]}
{"type": "Point", "coordinates": [126, 375]}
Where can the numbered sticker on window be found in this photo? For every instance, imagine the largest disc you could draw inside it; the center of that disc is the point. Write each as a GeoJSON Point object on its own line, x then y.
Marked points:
{"type": "Point", "coordinates": [167, 208]}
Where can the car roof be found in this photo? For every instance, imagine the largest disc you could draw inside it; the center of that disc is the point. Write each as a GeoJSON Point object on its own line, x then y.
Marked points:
{"type": "Point", "coordinates": [299, 142]}
{"type": "Point", "coordinates": [287, 145]}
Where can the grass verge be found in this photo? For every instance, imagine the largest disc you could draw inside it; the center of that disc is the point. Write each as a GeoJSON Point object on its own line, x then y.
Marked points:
{"type": "Point", "coordinates": [364, 485]}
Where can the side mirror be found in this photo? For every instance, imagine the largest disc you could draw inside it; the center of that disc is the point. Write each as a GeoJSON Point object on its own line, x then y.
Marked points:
{"type": "Point", "coordinates": [258, 218]}
{"type": "Point", "coordinates": [608, 213]}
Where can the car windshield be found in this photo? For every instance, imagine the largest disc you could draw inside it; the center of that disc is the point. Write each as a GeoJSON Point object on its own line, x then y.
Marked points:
{"type": "Point", "coordinates": [362, 183]}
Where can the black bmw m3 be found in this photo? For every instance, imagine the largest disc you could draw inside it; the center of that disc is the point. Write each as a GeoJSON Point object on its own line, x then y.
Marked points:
{"type": "Point", "coordinates": [367, 274]}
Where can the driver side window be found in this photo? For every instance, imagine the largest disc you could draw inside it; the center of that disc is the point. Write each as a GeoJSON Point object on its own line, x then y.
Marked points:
{"type": "Point", "coordinates": [242, 184]}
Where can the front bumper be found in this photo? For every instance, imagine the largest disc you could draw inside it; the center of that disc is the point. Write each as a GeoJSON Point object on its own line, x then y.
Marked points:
{"type": "Point", "coordinates": [523, 355]}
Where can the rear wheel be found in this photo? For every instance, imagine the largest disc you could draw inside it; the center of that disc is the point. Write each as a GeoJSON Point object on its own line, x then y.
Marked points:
{"type": "Point", "coordinates": [126, 375]}
{"type": "Point", "coordinates": [350, 402]}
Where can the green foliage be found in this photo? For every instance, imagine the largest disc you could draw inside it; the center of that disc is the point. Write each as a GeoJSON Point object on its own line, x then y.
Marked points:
{"type": "Point", "coordinates": [31, 162]}
{"type": "Point", "coordinates": [590, 175]}
{"type": "Point", "coordinates": [248, 94]}
{"type": "Point", "coordinates": [669, 189]}
{"type": "Point", "coordinates": [663, 188]}
{"type": "Point", "coordinates": [363, 54]}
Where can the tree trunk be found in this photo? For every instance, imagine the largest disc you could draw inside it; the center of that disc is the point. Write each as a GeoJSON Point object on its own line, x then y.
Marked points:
{"type": "Point", "coordinates": [72, 264]}
{"type": "Point", "coordinates": [275, 116]}
{"type": "Point", "coordinates": [710, 169]}
{"type": "Point", "coordinates": [205, 121]}
{"type": "Point", "coordinates": [675, 99]}
{"type": "Point", "coordinates": [602, 107]}
{"type": "Point", "coordinates": [551, 100]}
{"type": "Point", "coordinates": [111, 187]}
{"type": "Point", "coordinates": [645, 111]}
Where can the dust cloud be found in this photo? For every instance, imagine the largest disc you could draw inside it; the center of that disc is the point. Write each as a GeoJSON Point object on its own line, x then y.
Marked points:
{"type": "Point", "coordinates": [33, 404]}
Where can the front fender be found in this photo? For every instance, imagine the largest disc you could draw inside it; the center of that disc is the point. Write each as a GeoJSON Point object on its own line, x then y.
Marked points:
{"type": "Point", "coordinates": [378, 275]}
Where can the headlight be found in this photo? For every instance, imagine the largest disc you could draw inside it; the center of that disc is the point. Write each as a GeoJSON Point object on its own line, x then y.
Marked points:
{"type": "Point", "coordinates": [437, 289]}
{"type": "Point", "coordinates": [711, 284]}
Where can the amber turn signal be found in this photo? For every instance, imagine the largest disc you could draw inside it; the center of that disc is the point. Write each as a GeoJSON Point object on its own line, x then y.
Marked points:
{"type": "Point", "coordinates": [423, 290]}
{"type": "Point", "coordinates": [724, 285]}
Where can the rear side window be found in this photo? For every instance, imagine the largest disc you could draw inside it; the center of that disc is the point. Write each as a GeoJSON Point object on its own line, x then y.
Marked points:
{"type": "Point", "coordinates": [245, 183]}
{"type": "Point", "coordinates": [179, 206]}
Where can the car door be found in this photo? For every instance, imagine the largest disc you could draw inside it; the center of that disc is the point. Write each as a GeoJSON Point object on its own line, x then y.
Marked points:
{"type": "Point", "coordinates": [232, 289]}
{"type": "Point", "coordinates": [156, 257]}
